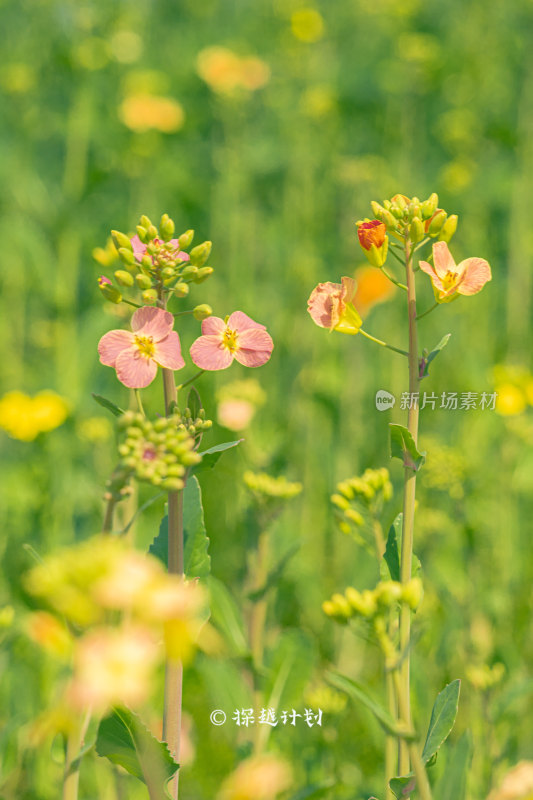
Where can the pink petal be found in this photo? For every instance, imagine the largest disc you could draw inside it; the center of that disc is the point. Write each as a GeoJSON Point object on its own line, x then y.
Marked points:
{"type": "Point", "coordinates": [135, 370]}
{"type": "Point", "coordinates": [428, 269]}
{"type": "Point", "coordinates": [181, 254]}
{"type": "Point", "coordinates": [139, 249]}
{"type": "Point", "coordinates": [254, 348]}
{"type": "Point", "coordinates": [151, 321]}
{"type": "Point", "coordinates": [213, 325]}
{"type": "Point", "coordinates": [112, 344]}
{"type": "Point", "coordinates": [442, 259]}
{"type": "Point", "coordinates": [207, 352]}
{"type": "Point", "coordinates": [324, 304]}
{"type": "Point", "coordinates": [349, 288]}
{"type": "Point", "coordinates": [476, 273]}
{"type": "Point", "coordinates": [241, 322]}
{"type": "Point", "coordinates": [168, 352]}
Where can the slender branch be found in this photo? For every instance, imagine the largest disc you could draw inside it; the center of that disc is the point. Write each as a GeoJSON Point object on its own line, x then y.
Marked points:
{"type": "Point", "coordinates": [191, 380]}
{"type": "Point", "coordinates": [422, 782]}
{"type": "Point", "coordinates": [422, 243]}
{"type": "Point", "coordinates": [131, 303]}
{"type": "Point", "coordinates": [393, 280]}
{"type": "Point", "coordinates": [397, 257]}
{"type": "Point", "coordinates": [107, 525]}
{"type": "Point", "coordinates": [427, 312]}
{"type": "Point", "coordinates": [139, 401]}
{"type": "Point", "coordinates": [383, 344]}
{"type": "Point", "coordinates": [408, 504]}
{"type": "Point", "coordinates": [71, 775]}
{"type": "Point", "coordinates": [183, 313]}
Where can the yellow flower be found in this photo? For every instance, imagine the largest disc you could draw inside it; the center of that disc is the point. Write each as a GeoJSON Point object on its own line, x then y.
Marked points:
{"type": "Point", "coordinates": [510, 399]}
{"type": "Point", "coordinates": [144, 112]}
{"type": "Point", "coordinates": [307, 25]}
{"type": "Point", "coordinates": [257, 778]}
{"type": "Point", "coordinates": [226, 72]}
{"type": "Point", "coordinates": [24, 417]}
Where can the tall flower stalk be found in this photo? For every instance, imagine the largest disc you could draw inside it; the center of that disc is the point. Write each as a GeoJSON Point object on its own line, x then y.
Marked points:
{"type": "Point", "coordinates": [402, 226]}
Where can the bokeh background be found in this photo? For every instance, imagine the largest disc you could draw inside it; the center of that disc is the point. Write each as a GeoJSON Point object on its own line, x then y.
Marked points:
{"type": "Point", "coordinates": [272, 146]}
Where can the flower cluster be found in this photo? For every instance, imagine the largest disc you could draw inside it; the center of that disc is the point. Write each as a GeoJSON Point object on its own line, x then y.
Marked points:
{"type": "Point", "coordinates": [24, 417]}
{"type": "Point", "coordinates": [373, 602]}
{"type": "Point", "coordinates": [514, 388]}
{"type": "Point", "coordinates": [359, 496]}
{"type": "Point", "coordinates": [157, 452]}
{"type": "Point", "coordinates": [116, 606]}
{"type": "Point", "coordinates": [227, 73]}
{"type": "Point", "coordinates": [266, 487]}
{"type": "Point", "coordinates": [419, 217]}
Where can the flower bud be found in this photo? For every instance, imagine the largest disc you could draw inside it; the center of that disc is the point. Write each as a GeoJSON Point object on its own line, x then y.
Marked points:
{"type": "Point", "coordinates": [181, 289]}
{"type": "Point", "coordinates": [152, 232]}
{"type": "Point", "coordinates": [203, 274]}
{"type": "Point", "coordinates": [145, 221]}
{"type": "Point", "coordinates": [120, 240]}
{"type": "Point", "coordinates": [108, 290]}
{"type": "Point", "coordinates": [416, 230]}
{"type": "Point", "coordinates": [126, 256]}
{"type": "Point", "coordinates": [340, 501]}
{"type": "Point", "coordinates": [124, 278]}
{"type": "Point", "coordinates": [143, 281]}
{"type": "Point", "coordinates": [168, 272]}
{"type": "Point", "coordinates": [400, 201]}
{"type": "Point", "coordinates": [185, 239]}
{"type": "Point", "coordinates": [189, 272]}
{"type": "Point", "coordinates": [202, 311]}
{"type": "Point", "coordinates": [377, 209]}
{"type": "Point", "coordinates": [429, 206]}
{"type": "Point", "coordinates": [372, 232]}
{"type": "Point", "coordinates": [449, 228]}
{"type": "Point", "coordinates": [199, 254]}
{"type": "Point", "coordinates": [390, 220]}
{"type": "Point", "coordinates": [147, 263]}
{"type": "Point", "coordinates": [149, 296]}
{"type": "Point", "coordinates": [354, 516]}
{"type": "Point", "coordinates": [412, 593]}
{"type": "Point", "coordinates": [341, 605]}
{"type": "Point", "coordinates": [388, 593]}
{"type": "Point", "coordinates": [142, 233]}
{"type": "Point", "coordinates": [166, 228]}
{"type": "Point", "coordinates": [435, 223]}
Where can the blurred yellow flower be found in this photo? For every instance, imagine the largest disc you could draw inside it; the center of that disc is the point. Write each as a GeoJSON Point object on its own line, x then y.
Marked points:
{"type": "Point", "coordinates": [107, 255]}
{"type": "Point", "coordinates": [226, 72]}
{"type": "Point", "coordinates": [24, 417]}
{"type": "Point", "coordinates": [307, 25]}
{"type": "Point", "coordinates": [144, 112]}
{"type": "Point", "coordinates": [126, 46]}
{"type": "Point", "coordinates": [17, 78]}
{"type": "Point", "coordinates": [484, 677]}
{"type": "Point", "coordinates": [517, 784]}
{"type": "Point", "coordinates": [257, 778]}
{"type": "Point", "coordinates": [373, 287]}
{"type": "Point", "coordinates": [49, 633]}
{"type": "Point", "coordinates": [95, 429]}
{"type": "Point", "coordinates": [318, 101]}
{"type": "Point", "coordinates": [510, 399]}
{"type": "Point", "coordinates": [113, 666]}
{"type": "Point", "coordinates": [326, 698]}
{"type": "Point", "coordinates": [266, 486]}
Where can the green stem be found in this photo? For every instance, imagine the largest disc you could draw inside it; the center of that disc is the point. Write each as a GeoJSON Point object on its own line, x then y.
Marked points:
{"type": "Point", "coordinates": [191, 380]}
{"type": "Point", "coordinates": [408, 504]}
{"type": "Point", "coordinates": [397, 257]}
{"type": "Point", "coordinates": [393, 280]}
{"type": "Point", "coordinates": [130, 303]}
{"type": "Point", "coordinates": [422, 243]}
{"type": "Point", "coordinates": [182, 313]}
{"type": "Point", "coordinates": [71, 775]}
{"type": "Point", "coordinates": [422, 783]}
{"type": "Point", "coordinates": [107, 525]}
{"type": "Point", "coordinates": [383, 344]}
{"type": "Point", "coordinates": [427, 312]}
{"type": "Point", "coordinates": [139, 401]}
{"type": "Point", "coordinates": [391, 745]}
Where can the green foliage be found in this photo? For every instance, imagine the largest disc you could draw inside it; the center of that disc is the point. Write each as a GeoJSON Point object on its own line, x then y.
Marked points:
{"type": "Point", "coordinates": [402, 446]}
{"type": "Point", "coordinates": [211, 456]}
{"type": "Point", "coordinates": [389, 567]}
{"type": "Point", "coordinates": [454, 780]}
{"type": "Point", "coordinates": [360, 694]}
{"type": "Point", "coordinates": [433, 354]}
{"type": "Point", "coordinates": [108, 404]}
{"type": "Point", "coordinates": [124, 740]}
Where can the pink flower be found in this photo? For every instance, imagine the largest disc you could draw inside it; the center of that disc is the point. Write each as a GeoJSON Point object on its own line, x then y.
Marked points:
{"type": "Point", "coordinates": [135, 356]}
{"type": "Point", "coordinates": [237, 337]}
{"type": "Point", "coordinates": [139, 249]}
{"type": "Point", "coordinates": [330, 306]}
{"type": "Point", "coordinates": [450, 279]}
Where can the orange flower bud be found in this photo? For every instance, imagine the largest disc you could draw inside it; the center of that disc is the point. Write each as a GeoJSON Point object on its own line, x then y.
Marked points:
{"type": "Point", "coordinates": [370, 233]}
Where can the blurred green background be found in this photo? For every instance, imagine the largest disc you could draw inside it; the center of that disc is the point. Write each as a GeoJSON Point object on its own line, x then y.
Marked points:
{"type": "Point", "coordinates": [108, 113]}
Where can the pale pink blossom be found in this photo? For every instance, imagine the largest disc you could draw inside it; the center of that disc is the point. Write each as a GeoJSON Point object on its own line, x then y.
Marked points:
{"type": "Point", "coordinates": [238, 337]}
{"type": "Point", "coordinates": [139, 249]}
{"type": "Point", "coordinates": [135, 355]}
{"type": "Point", "coordinates": [450, 279]}
{"type": "Point", "coordinates": [330, 306]}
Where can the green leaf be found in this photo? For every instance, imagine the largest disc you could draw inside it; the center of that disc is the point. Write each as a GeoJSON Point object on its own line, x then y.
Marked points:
{"type": "Point", "coordinates": [108, 404]}
{"type": "Point", "coordinates": [196, 559]}
{"type": "Point", "coordinates": [227, 616]}
{"type": "Point", "coordinates": [433, 354]}
{"type": "Point", "coordinates": [402, 446]}
{"type": "Point", "coordinates": [358, 693]}
{"type": "Point", "coordinates": [275, 574]}
{"type": "Point", "coordinates": [124, 740]}
{"type": "Point", "coordinates": [389, 568]}
{"type": "Point", "coordinates": [211, 456]}
{"type": "Point", "coordinates": [453, 782]}
{"type": "Point", "coordinates": [402, 787]}
{"type": "Point", "coordinates": [442, 719]}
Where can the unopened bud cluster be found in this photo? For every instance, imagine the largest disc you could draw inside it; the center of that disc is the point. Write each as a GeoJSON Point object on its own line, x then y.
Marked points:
{"type": "Point", "coordinates": [194, 426]}
{"type": "Point", "coordinates": [372, 603]}
{"type": "Point", "coordinates": [403, 215]}
{"type": "Point", "coordinates": [265, 486]}
{"type": "Point", "coordinates": [154, 262]}
{"type": "Point", "coordinates": [156, 452]}
{"type": "Point", "coordinates": [355, 496]}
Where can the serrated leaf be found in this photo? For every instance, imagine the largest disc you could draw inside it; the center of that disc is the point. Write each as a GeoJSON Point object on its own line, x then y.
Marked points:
{"type": "Point", "coordinates": [442, 719]}
{"type": "Point", "coordinates": [389, 568]}
{"type": "Point", "coordinates": [432, 355]}
{"type": "Point", "coordinates": [196, 559]}
{"type": "Point", "coordinates": [402, 446]}
{"type": "Point", "coordinates": [123, 739]}
{"type": "Point", "coordinates": [357, 692]}
{"type": "Point", "coordinates": [453, 782]}
{"type": "Point", "coordinates": [227, 616]}
{"type": "Point", "coordinates": [108, 404]}
{"type": "Point", "coordinates": [211, 456]}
